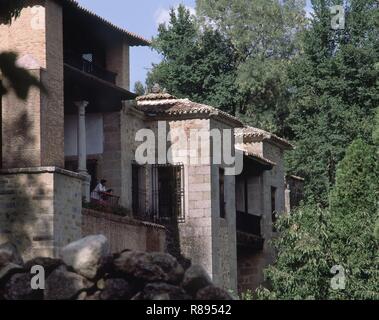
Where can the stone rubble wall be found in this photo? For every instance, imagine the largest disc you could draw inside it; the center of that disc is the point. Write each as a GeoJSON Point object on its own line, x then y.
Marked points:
{"type": "Point", "coordinates": [87, 270]}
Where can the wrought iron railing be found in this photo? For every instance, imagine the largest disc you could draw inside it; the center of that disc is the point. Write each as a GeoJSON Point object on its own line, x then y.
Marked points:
{"type": "Point", "coordinates": [162, 198]}
{"type": "Point", "coordinates": [105, 199]}
{"type": "Point", "coordinates": [249, 223]}
{"type": "Point", "coordinates": [78, 61]}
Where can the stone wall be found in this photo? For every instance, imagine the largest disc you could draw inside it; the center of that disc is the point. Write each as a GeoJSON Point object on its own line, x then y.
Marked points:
{"type": "Point", "coordinates": [205, 237]}
{"type": "Point", "coordinates": [32, 130]}
{"type": "Point", "coordinates": [224, 240]}
{"type": "Point", "coordinates": [40, 209]}
{"type": "Point", "coordinates": [117, 60]}
{"type": "Point", "coordinates": [111, 157]}
{"type": "Point", "coordinates": [125, 233]}
{"type": "Point", "coordinates": [131, 122]}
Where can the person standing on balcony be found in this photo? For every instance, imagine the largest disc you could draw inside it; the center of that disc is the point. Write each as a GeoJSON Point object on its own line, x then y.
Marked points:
{"type": "Point", "coordinates": [99, 190]}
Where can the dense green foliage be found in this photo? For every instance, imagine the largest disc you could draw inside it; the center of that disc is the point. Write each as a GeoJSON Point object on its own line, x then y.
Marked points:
{"type": "Point", "coordinates": [297, 77]}
{"type": "Point", "coordinates": [197, 64]}
{"type": "Point", "coordinates": [264, 35]}
{"type": "Point", "coordinates": [335, 92]}
{"type": "Point", "coordinates": [302, 269]}
{"type": "Point", "coordinates": [313, 240]}
{"type": "Point", "coordinates": [139, 88]}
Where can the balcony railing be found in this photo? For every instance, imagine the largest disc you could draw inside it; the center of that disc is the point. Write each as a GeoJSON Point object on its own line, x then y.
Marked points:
{"type": "Point", "coordinates": [105, 199]}
{"type": "Point", "coordinates": [249, 223]}
{"type": "Point", "coordinates": [78, 61]}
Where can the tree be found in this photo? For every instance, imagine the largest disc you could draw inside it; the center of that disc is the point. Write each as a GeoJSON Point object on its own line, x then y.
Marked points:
{"type": "Point", "coordinates": [376, 141]}
{"type": "Point", "coordinates": [334, 92]}
{"type": "Point", "coordinates": [302, 268]}
{"type": "Point", "coordinates": [264, 36]}
{"type": "Point", "coordinates": [313, 240]}
{"type": "Point", "coordinates": [198, 63]}
{"type": "Point", "coordinates": [353, 204]}
{"type": "Point", "coordinates": [139, 88]}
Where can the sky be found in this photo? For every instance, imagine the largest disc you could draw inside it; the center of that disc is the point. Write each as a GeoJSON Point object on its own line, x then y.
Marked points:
{"type": "Point", "coordinates": [141, 17]}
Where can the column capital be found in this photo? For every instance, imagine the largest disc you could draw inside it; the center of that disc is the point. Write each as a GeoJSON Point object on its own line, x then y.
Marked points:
{"type": "Point", "coordinates": [81, 104]}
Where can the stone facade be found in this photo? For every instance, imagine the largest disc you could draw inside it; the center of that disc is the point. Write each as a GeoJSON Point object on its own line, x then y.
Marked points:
{"type": "Point", "coordinates": [118, 61]}
{"type": "Point", "coordinates": [111, 157]}
{"type": "Point", "coordinates": [31, 135]}
{"type": "Point", "coordinates": [41, 206]}
{"type": "Point", "coordinates": [40, 209]}
{"type": "Point", "coordinates": [266, 193]}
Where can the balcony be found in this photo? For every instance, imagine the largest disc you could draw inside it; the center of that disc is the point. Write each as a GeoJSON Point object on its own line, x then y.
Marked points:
{"type": "Point", "coordinates": [249, 223]}
{"type": "Point", "coordinates": [249, 234]}
{"type": "Point", "coordinates": [78, 61]}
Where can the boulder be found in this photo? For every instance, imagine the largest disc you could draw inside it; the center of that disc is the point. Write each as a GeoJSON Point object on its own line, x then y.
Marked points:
{"type": "Point", "coordinates": [140, 266]}
{"type": "Point", "coordinates": [213, 293]}
{"type": "Point", "coordinates": [85, 255]}
{"type": "Point", "coordinates": [62, 284]}
{"type": "Point", "coordinates": [48, 264]}
{"type": "Point", "coordinates": [9, 254]}
{"type": "Point", "coordinates": [169, 265]}
{"type": "Point", "coordinates": [195, 278]}
{"type": "Point", "coordinates": [116, 289]}
{"type": "Point", "coordinates": [19, 288]}
{"type": "Point", "coordinates": [163, 291]}
{"type": "Point", "coordinates": [94, 296]}
{"type": "Point", "coordinates": [7, 271]}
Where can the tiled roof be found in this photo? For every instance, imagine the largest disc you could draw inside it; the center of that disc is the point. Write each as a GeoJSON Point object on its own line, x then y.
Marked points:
{"type": "Point", "coordinates": [257, 157]}
{"type": "Point", "coordinates": [135, 39]}
{"type": "Point", "coordinates": [164, 104]}
{"type": "Point", "coordinates": [296, 177]}
{"type": "Point", "coordinates": [255, 134]}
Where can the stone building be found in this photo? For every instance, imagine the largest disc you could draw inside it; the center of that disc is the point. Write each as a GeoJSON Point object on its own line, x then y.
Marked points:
{"type": "Point", "coordinates": [56, 146]}
{"type": "Point", "coordinates": [261, 197]}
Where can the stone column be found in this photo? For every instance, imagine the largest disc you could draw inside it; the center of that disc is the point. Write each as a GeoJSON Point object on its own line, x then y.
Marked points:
{"type": "Point", "coordinates": [287, 199]}
{"type": "Point", "coordinates": [82, 148]}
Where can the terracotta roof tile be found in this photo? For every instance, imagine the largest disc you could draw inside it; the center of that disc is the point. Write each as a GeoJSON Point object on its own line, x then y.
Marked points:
{"type": "Point", "coordinates": [255, 134]}
{"type": "Point", "coordinates": [166, 104]}
{"type": "Point", "coordinates": [257, 157]}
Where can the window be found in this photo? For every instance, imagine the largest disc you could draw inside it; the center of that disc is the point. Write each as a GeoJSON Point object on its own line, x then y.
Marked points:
{"type": "Point", "coordinates": [168, 192]}
{"type": "Point", "coordinates": [273, 208]}
{"type": "Point", "coordinates": [222, 193]}
{"type": "Point", "coordinates": [138, 190]}
{"type": "Point", "coordinates": [246, 195]}
{"type": "Point", "coordinates": [88, 57]}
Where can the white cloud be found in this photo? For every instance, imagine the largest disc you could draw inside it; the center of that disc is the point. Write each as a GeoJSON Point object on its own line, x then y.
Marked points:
{"type": "Point", "coordinates": [162, 15]}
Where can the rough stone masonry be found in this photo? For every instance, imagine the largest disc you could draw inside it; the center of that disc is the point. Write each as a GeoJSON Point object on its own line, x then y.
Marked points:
{"type": "Point", "coordinates": [87, 271]}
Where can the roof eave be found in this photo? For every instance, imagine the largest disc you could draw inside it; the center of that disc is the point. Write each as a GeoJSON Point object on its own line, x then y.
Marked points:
{"type": "Point", "coordinates": [133, 39]}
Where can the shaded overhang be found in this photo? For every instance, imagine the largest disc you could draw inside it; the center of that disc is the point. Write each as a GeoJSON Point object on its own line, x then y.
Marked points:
{"type": "Point", "coordinates": [249, 242]}
{"type": "Point", "coordinates": [103, 96]}
{"type": "Point", "coordinates": [254, 164]}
